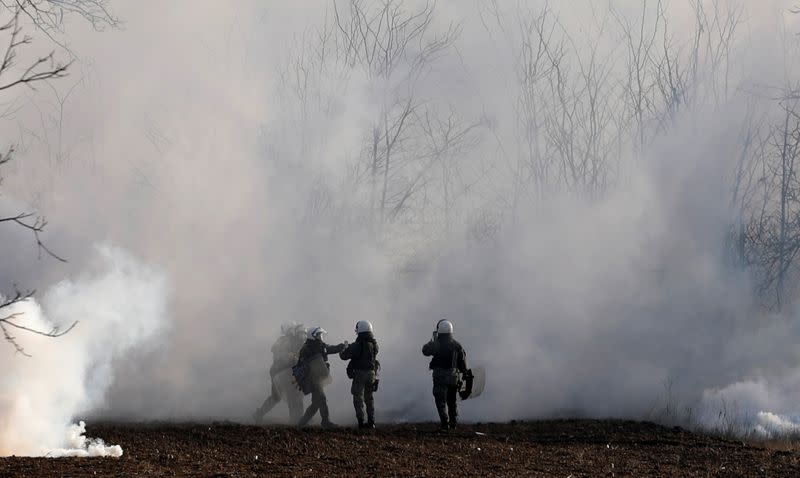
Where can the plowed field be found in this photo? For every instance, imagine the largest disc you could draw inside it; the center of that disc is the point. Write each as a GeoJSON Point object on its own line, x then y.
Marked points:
{"type": "Point", "coordinates": [577, 448]}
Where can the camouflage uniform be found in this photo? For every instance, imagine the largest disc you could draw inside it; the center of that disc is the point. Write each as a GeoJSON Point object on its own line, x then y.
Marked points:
{"type": "Point", "coordinates": [319, 402]}
{"type": "Point", "coordinates": [284, 355]}
{"type": "Point", "coordinates": [363, 368]}
{"type": "Point", "coordinates": [448, 360]}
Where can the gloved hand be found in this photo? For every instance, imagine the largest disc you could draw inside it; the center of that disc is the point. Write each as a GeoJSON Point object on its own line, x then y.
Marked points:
{"type": "Point", "coordinates": [467, 390]}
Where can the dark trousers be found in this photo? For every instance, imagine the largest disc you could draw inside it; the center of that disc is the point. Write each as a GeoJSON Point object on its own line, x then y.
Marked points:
{"type": "Point", "coordinates": [294, 400]}
{"type": "Point", "coordinates": [318, 403]}
{"type": "Point", "coordinates": [445, 394]}
{"type": "Point", "coordinates": [363, 383]}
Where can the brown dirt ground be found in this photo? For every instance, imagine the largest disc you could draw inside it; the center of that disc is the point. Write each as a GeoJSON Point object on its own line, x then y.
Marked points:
{"type": "Point", "coordinates": [577, 448]}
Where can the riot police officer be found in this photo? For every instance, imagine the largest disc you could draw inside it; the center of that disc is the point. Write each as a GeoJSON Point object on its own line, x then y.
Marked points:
{"type": "Point", "coordinates": [363, 369]}
{"type": "Point", "coordinates": [448, 364]}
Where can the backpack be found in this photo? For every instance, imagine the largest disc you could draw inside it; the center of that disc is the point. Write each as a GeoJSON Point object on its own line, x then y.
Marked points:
{"type": "Point", "coordinates": [300, 374]}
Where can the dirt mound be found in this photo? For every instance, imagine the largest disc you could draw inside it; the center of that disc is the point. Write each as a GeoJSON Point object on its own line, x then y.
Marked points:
{"type": "Point", "coordinates": [547, 448]}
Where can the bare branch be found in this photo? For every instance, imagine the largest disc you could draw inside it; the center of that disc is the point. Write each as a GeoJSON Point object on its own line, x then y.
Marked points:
{"type": "Point", "coordinates": [49, 15]}
{"type": "Point", "coordinates": [36, 227]}
{"type": "Point", "coordinates": [11, 321]}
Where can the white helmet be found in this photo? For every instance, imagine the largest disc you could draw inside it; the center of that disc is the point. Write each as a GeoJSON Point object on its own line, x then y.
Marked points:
{"type": "Point", "coordinates": [363, 326]}
{"type": "Point", "coordinates": [316, 333]}
{"type": "Point", "coordinates": [444, 327]}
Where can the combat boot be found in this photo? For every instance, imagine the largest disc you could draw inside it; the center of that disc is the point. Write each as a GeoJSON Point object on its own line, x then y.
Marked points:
{"type": "Point", "coordinates": [257, 417]}
{"type": "Point", "coordinates": [329, 425]}
{"type": "Point", "coordinates": [453, 416]}
{"type": "Point", "coordinates": [444, 426]}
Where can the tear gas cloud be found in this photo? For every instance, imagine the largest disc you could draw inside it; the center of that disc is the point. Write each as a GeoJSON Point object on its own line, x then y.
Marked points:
{"type": "Point", "coordinates": [230, 147]}
{"type": "Point", "coordinates": [119, 303]}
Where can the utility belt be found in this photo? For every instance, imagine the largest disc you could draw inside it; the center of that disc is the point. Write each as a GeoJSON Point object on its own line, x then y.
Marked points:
{"type": "Point", "coordinates": [450, 370]}
{"type": "Point", "coordinates": [446, 376]}
{"type": "Point", "coordinates": [366, 369]}
{"type": "Point", "coordinates": [351, 371]}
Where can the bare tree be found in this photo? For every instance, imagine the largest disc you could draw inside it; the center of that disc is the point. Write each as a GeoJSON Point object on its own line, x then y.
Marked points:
{"type": "Point", "coordinates": [540, 56]}
{"type": "Point", "coordinates": [394, 48]}
{"type": "Point", "coordinates": [46, 16]}
{"type": "Point", "coordinates": [570, 122]}
{"type": "Point", "coordinates": [664, 76]}
{"type": "Point", "coordinates": [766, 188]}
{"type": "Point", "coordinates": [446, 138]}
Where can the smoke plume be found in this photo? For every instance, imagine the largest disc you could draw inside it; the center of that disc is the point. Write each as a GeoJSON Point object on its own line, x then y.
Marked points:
{"type": "Point", "coordinates": [119, 304]}
{"type": "Point", "coordinates": [582, 252]}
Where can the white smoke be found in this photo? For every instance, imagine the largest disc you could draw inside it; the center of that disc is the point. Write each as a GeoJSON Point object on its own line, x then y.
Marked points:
{"type": "Point", "coordinates": [581, 307]}
{"type": "Point", "coordinates": [118, 304]}
{"type": "Point", "coordinates": [770, 425]}
{"type": "Point", "coordinates": [78, 445]}
{"type": "Point", "coordinates": [762, 405]}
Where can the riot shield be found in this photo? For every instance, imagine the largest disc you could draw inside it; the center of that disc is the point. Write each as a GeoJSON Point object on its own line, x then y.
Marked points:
{"type": "Point", "coordinates": [477, 385]}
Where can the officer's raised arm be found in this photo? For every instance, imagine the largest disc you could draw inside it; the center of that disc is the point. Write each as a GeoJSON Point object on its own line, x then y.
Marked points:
{"type": "Point", "coordinates": [335, 349]}
{"type": "Point", "coordinates": [431, 347]}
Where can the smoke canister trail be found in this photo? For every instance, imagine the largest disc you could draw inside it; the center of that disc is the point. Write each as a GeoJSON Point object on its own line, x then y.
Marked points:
{"type": "Point", "coordinates": [119, 304]}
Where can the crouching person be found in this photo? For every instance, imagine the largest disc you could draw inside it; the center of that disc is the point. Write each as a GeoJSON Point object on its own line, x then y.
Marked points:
{"type": "Point", "coordinates": [363, 370]}
{"type": "Point", "coordinates": [314, 357]}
